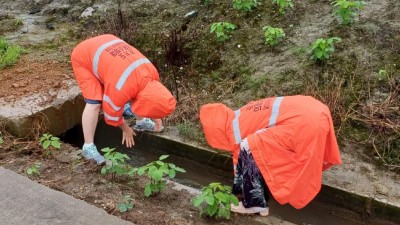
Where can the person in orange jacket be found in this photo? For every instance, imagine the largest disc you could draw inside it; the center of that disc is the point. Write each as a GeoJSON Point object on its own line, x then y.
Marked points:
{"type": "Point", "coordinates": [111, 74]}
{"type": "Point", "coordinates": [280, 145]}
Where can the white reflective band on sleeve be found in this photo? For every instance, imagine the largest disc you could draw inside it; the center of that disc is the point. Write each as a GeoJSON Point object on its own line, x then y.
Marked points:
{"type": "Point", "coordinates": [275, 111]}
{"type": "Point", "coordinates": [236, 128]}
{"type": "Point", "coordinates": [108, 100]}
{"type": "Point", "coordinates": [112, 118]}
{"type": "Point", "coordinates": [98, 53]}
{"type": "Point", "coordinates": [129, 70]}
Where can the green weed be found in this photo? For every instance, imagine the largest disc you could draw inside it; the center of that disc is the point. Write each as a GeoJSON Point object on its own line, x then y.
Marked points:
{"type": "Point", "coordinates": [245, 5]}
{"type": "Point", "coordinates": [116, 162]}
{"type": "Point", "coordinates": [48, 140]}
{"type": "Point", "coordinates": [126, 204]}
{"type": "Point", "coordinates": [156, 170]}
{"type": "Point", "coordinates": [347, 10]}
{"type": "Point", "coordinates": [215, 201]}
{"type": "Point", "coordinates": [273, 35]}
{"type": "Point", "coordinates": [34, 169]}
{"type": "Point", "coordinates": [284, 5]}
{"type": "Point", "coordinates": [322, 49]}
{"type": "Point", "coordinates": [9, 53]}
{"type": "Point", "coordinates": [222, 30]}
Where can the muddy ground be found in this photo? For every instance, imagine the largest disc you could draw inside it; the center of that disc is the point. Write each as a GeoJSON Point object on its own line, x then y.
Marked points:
{"type": "Point", "coordinates": [63, 170]}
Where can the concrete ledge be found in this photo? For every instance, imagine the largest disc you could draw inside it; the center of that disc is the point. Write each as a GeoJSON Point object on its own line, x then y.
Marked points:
{"type": "Point", "coordinates": [54, 112]}
{"type": "Point", "coordinates": [367, 206]}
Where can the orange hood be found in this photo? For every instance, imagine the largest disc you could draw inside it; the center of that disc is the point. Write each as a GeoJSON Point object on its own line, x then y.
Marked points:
{"type": "Point", "coordinates": [216, 119]}
{"type": "Point", "coordinates": [154, 101]}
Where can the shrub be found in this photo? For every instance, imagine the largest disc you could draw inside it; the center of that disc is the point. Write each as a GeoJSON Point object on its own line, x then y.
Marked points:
{"type": "Point", "coordinates": [156, 170]}
{"type": "Point", "coordinates": [116, 162]}
{"type": "Point", "coordinates": [222, 29]}
{"type": "Point", "coordinates": [215, 201]}
{"type": "Point", "coordinates": [273, 35]}
{"type": "Point", "coordinates": [283, 5]}
{"type": "Point", "coordinates": [347, 10]}
{"type": "Point", "coordinates": [8, 53]}
{"type": "Point", "coordinates": [322, 49]}
{"type": "Point", "coordinates": [245, 5]}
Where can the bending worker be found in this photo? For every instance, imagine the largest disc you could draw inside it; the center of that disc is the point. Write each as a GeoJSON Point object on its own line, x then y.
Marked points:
{"type": "Point", "coordinates": [280, 145]}
{"type": "Point", "coordinates": [111, 74]}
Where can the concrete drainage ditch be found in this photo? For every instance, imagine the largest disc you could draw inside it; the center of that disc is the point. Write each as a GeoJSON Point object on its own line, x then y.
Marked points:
{"type": "Point", "coordinates": [332, 206]}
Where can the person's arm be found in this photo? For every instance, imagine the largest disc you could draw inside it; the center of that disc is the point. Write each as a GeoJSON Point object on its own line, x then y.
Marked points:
{"type": "Point", "coordinates": [127, 135]}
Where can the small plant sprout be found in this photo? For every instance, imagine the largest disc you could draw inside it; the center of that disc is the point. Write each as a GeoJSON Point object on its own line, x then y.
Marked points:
{"type": "Point", "coordinates": [284, 5]}
{"type": "Point", "coordinates": [322, 49]}
{"type": "Point", "coordinates": [156, 170]}
{"type": "Point", "coordinates": [273, 35]}
{"type": "Point", "coordinates": [347, 10]}
{"type": "Point", "coordinates": [126, 204]}
{"type": "Point", "coordinates": [382, 74]}
{"type": "Point", "coordinates": [215, 201]}
{"type": "Point", "coordinates": [205, 2]}
{"type": "Point", "coordinates": [1, 139]}
{"type": "Point", "coordinates": [222, 30]}
{"type": "Point", "coordinates": [245, 5]}
{"type": "Point", "coordinates": [34, 169]}
{"type": "Point", "coordinates": [115, 162]}
{"type": "Point", "coordinates": [48, 140]}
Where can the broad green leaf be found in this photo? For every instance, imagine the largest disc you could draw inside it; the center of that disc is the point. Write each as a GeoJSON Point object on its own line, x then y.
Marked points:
{"type": "Point", "coordinates": [56, 144]}
{"type": "Point", "coordinates": [198, 200]}
{"type": "Point", "coordinates": [129, 205]}
{"type": "Point", "coordinates": [147, 190]}
{"type": "Point", "coordinates": [103, 170]}
{"type": "Point", "coordinates": [55, 138]}
{"type": "Point", "coordinates": [212, 209]}
{"type": "Point", "coordinates": [180, 169]}
{"type": "Point", "coordinates": [122, 207]}
{"type": "Point", "coordinates": [46, 144]}
{"type": "Point", "coordinates": [234, 200]}
{"type": "Point", "coordinates": [171, 173]}
{"type": "Point", "coordinates": [210, 199]}
{"type": "Point", "coordinates": [163, 157]}
{"type": "Point", "coordinates": [141, 171]}
{"type": "Point", "coordinates": [221, 196]}
{"type": "Point", "coordinates": [156, 175]}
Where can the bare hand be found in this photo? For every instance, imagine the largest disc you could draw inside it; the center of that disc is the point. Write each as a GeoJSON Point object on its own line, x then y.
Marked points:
{"type": "Point", "coordinates": [127, 136]}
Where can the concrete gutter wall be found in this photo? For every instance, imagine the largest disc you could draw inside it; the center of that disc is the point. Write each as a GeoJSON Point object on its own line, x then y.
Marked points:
{"type": "Point", "coordinates": [365, 205]}
{"type": "Point", "coordinates": [55, 113]}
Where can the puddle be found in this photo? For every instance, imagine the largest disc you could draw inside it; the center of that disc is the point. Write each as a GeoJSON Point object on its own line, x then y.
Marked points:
{"type": "Point", "coordinates": [200, 174]}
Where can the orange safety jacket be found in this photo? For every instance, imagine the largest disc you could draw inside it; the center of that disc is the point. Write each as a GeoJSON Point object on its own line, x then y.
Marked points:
{"type": "Point", "coordinates": [291, 138]}
{"type": "Point", "coordinates": [121, 69]}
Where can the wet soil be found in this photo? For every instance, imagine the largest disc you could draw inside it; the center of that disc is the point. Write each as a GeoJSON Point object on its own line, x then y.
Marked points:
{"type": "Point", "coordinates": [65, 171]}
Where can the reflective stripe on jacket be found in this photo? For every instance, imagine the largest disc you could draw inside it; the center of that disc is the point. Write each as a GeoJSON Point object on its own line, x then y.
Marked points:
{"type": "Point", "coordinates": [121, 68]}
{"type": "Point", "coordinates": [291, 138]}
